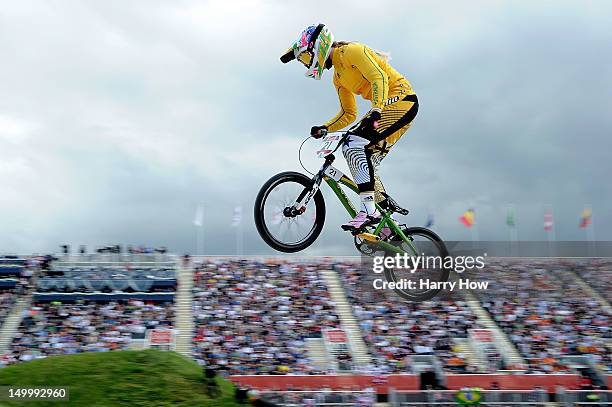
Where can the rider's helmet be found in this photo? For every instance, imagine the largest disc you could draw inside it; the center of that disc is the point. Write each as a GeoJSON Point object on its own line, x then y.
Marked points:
{"type": "Point", "coordinates": [312, 48]}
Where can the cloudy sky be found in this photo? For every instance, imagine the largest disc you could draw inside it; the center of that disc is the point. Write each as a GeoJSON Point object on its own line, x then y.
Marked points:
{"type": "Point", "coordinates": [118, 118]}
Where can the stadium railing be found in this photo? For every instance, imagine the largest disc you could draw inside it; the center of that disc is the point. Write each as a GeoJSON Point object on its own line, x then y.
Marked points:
{"type": "Point", "coordinates": [320, 398]}
{"type": "Point", "coordinates": [488, 397]}
{"type": "Point", "coordinates": [584, 397]}
{"type": "Point", "coordinates": [109, 259]}
{"type": "Point", "coordinates": [535, 397]}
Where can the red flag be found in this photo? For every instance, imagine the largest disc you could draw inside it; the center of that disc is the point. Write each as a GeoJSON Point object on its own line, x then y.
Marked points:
{"type": "Point", "coordinates": [548, 221]}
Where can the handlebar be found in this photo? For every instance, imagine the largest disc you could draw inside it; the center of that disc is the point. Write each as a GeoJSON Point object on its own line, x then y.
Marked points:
{"type": "Point", "coordinates": [330, 157]}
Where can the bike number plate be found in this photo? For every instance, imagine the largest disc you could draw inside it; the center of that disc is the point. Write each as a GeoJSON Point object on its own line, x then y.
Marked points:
{"type": "Point", "coordinates": [333, 173]}
{"type": "Point", "coordinates": [327, 145]}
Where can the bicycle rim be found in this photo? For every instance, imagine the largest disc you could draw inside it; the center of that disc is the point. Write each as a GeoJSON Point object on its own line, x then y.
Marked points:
{"type": "Point", "coordinates": [433, 252]}
{"type": "Point", "coordinates": [288, 233]}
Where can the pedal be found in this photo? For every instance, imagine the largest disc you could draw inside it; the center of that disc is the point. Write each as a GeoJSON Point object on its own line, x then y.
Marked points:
{"type": "Point", "coordinates": [371, 222]}
{"type": "Point", "coordinates": [369, 237]}
{"type": "Point", "coordinates": [391, 205]}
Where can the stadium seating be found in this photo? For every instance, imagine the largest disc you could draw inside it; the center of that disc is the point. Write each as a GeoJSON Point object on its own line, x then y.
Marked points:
{"type": "Point", "coordinates": [14, 277]}
{"type": "Point", "coordinates": [7, 299]}
{"type": "Point", "coordinates": [253, 317]}
{"type": "Point", "coordinates": [546, 314]}
{"type": "Point", "coordinates": [597, 274]}
{"type": "Point", "coordinates": [85, 326]}
{"type": "Point", "coordinates": [394, 329]}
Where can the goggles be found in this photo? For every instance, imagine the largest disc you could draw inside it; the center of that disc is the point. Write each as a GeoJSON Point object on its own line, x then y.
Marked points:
{"type": "Point", "coordinates": [306, 58]}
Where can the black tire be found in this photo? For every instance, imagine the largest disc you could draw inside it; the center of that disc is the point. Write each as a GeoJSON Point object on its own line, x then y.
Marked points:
{"type": "Point", "coordinates": [213, 391]}
{"type": "Point", "coordinates": [260, 221]}
{"type": "Point", "coordinates": [444, 272]}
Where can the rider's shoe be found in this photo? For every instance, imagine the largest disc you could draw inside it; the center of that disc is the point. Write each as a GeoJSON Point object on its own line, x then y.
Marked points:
{"type": "Point", "coordinates": [385, 233]}
{"type": "Point", "coordinates": [361, 220]}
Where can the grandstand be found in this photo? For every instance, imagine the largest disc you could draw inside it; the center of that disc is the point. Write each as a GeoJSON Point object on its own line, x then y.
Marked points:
{"type": "Point", "coordinates": [548, 315]}
{"type": "Point", "coordinates": [597, 275]}
{"type": "Point", "coordinates": [254, 317]}
{"type": "Point", "coordinates": [307, 331]}
{"type": "Point", "coordinates": [84, 306]}
{"type": "Point", "coordinates": [396, 330]}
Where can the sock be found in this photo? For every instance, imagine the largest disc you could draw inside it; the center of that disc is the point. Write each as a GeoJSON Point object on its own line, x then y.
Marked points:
{"type": "Point", "coordinates": [367, 202]}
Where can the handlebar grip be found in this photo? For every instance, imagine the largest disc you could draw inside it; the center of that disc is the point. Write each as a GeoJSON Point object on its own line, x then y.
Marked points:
{"type": "Point", "coordinates": [321, 133]}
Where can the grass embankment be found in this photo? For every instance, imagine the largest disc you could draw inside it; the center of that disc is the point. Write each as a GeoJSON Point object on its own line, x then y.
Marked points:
{"type": "Point", "coordinates": [127, 378]}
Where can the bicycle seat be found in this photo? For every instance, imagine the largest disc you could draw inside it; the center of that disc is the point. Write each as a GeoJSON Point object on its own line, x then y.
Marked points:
{"type": "Point", "coordinates": [390, 205]}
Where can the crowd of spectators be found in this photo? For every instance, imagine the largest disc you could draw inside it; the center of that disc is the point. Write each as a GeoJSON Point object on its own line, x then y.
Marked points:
{"type": "Point", "coordinates": [596, 273]}
{"type": "Point", "coordinates": [15, 279]}
{"type": "Point", "coordinates": [546, 314]}
{"type": "Point", "coordinates": [55, 328]}
{"type": "Point", "coordinates": [394, 329]}
{"type": "Point", "coordinates": [252, 317]}
{"type": "Point", "coordinates": [7, 299]}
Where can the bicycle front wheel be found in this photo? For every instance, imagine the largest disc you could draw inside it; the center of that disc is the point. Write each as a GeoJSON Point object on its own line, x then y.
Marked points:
{"type": "Point", "coordinates": [283, 231]}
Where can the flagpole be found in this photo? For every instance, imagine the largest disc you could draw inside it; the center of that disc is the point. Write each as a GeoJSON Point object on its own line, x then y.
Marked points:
{"type": "Point", "coordinates": [511, 222]}
{"type": "Point", "coordinates": [201, 239]}
{"type": "Point", "coordinates": [237, 224]}
{"type": "Point", "coordinates": [238, 243]}
{"type": "Point", "coordinates": [198, 222]}
{"type": "Point", "coordinates": [590, 232]}
{"type": "Point", "coordinates": [241, 240]}
{"type": "Point", "coordinates": [241, 235]}
{"type": "Point", "coordinates": [197, 240]}
{"type": "Point", "coordinates": [469, 221]}
{"type": "Point", "coordinates": [476, 235]}
{"type": "Point", "coordinates": [549, 228]}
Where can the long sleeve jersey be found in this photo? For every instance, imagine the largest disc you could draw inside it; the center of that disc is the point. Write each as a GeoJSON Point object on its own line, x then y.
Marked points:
{"type": "Point", "coordinates": [360, 71]}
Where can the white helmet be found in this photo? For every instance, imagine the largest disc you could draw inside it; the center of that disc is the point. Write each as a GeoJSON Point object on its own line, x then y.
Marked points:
{"type": "Point", "coordinates": [312, 48]}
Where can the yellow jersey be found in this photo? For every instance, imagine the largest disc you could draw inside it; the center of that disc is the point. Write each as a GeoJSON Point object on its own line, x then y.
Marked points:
{"type": "Point", "coordinates": [358, 70]}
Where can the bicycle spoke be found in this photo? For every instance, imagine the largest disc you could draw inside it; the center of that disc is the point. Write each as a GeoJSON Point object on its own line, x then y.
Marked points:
{"type": "Point", "coordinates": [289, 230]}
{"type": "Point", "coordinates": [434, 272]}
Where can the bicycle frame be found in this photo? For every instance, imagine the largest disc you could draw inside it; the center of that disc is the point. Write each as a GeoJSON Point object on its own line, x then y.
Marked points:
{"type": "Point", "coordinates": [386, 216]}
{"type": "Point", "coordinates": [335, 178]}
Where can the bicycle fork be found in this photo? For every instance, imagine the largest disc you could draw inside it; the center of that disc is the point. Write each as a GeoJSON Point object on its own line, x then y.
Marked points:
{"type": "Point", "coordinates": [299, 206]}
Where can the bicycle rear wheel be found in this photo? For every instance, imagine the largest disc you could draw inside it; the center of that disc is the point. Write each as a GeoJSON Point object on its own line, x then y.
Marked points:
{"type": "Point", "coordinates": [431, 246]}
{"type": "Point", "coordinates": [283, 231]}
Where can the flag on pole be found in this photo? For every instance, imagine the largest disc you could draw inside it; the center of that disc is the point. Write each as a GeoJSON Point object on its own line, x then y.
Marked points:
{"type": "Point", "coordinates": [430, 221]}
{"type": "Point", "coordinates": [237, 216]}
{"type": "Point", "coordinates": [548, 221]}
{"type": "Point", "coordinates": [198, 220]}
{"type": "Point", "coordinates": [510, 218]}
{"type": "Point", "coordinates": [467, 218]}
{"type": "Point", "coordinates": [585, 218]}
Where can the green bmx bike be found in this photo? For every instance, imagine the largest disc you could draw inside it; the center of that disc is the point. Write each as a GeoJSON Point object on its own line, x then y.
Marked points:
{"type": "Point", "coordinates": [290, 213]}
